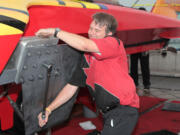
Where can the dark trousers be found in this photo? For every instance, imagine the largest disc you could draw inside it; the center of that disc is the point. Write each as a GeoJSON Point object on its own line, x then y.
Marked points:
{"type": "Point", "coordinates": [144, 62]}
{"type": "Point", "coordinates": [120, 121]}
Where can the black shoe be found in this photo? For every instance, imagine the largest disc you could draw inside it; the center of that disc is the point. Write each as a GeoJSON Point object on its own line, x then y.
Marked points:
{"type": "Point", "coordinates": [147, 92]}
{"type": "Point", "coordinates": [172, 49]}
{"type": "Point", "coordinates": [94, 132]}
{"type": "Point", "coordinates": [140, 92]}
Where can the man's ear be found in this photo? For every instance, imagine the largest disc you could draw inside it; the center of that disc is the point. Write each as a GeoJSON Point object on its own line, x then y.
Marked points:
{"type": "Point", "coordinates": [109, 34]}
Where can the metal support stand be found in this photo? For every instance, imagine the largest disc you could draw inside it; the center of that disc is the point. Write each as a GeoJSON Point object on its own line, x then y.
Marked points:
{"type": "Point", "coordinates": [13, 104]}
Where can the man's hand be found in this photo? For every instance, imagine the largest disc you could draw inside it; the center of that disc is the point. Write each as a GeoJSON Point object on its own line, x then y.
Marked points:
{"type": "Point", "coordinates": [42, 121]}
{"type": "Point", "coordinates": [45, 32]}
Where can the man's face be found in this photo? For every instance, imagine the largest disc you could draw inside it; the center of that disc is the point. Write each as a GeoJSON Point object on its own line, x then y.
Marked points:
{"type": "Point", "coordinates": [97, 31]}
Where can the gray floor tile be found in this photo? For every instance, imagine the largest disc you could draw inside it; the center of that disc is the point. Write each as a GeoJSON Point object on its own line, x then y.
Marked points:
{"type": "Point", "coordinates": [164, 87]}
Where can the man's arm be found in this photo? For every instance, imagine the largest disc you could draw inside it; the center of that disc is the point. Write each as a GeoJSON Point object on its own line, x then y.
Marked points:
{"type": "Point", "coordinates": [67, 92]}
{"type": "Point", "coordinates": [64, 95]}
{"type": "Point", "coordinates": [76, 41]}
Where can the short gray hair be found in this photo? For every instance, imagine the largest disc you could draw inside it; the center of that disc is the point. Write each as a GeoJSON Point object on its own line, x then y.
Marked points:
{"type": "Point", "coordinates": [106, 19]}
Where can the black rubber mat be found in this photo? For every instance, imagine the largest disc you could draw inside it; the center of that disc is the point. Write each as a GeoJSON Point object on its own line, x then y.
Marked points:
{"type": "Point", "coordinates": [162, 132]}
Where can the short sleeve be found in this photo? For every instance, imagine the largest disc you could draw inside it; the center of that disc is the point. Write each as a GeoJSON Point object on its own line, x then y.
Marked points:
{"type": "Point", "coordinates": [79, 77]}
{"type": "Point", "coordinates": [108, 48]}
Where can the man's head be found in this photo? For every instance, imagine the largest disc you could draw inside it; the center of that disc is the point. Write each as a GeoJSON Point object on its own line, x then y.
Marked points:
{"type": "Point", "coordinates": [103, 25]}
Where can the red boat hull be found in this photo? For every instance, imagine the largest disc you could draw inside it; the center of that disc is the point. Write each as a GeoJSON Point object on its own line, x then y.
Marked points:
{"type": "Point", "coordinates": [134, 26]}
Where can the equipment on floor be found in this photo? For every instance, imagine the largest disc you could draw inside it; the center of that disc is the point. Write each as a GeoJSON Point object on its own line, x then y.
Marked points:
{"type": "Point", "coordinates": [162, 132]}
{"type": "Point", "coordinates": [171, 107]}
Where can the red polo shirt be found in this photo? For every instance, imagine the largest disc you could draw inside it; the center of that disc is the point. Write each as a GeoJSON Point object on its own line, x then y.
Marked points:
{"type": "Point", "coordinates": [109, 69]}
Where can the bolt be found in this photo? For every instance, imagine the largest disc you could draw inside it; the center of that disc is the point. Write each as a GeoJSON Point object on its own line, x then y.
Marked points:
{"type": "Point", "coordinates": [21, 80]}
{"type": "Point", "coordinates": [40, 77]}
{"type": "Point", "coordinates": [56, 73]}
{"type": "Point", "coordinates": [24, 67]}
{"type": "Point", "coordinates": [56, 51]}
{"type": "Point", "coordinates": [34, 65]}
{"type": "Point", "coordinates": [31, 78]}
{"type": "Point", "coordinates": [47, 52]}
{"type": "Point", "coordinates": [28, 54]}
{"type": "Point", "coordinates": [39, 53]}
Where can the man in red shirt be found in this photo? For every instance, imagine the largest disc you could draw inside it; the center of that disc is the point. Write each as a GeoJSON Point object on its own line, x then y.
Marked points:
{"type": "Point", "coordinates": [107, 75]}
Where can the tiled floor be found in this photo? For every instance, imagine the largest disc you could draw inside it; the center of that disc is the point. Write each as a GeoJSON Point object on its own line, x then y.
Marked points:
{"type": "Point", "coordinates": [165, 87]}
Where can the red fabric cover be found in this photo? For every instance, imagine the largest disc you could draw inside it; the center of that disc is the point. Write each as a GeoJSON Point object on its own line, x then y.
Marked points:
{"type": "Point", "coordinates": [6, 111]}
{"type": "Point", "coordinates": [148, 102]}
{"type": "Point", "coordinates": [109, 69]}
{"type": "Point", "coordinates": [154, 120]}
{"type": "Point", "coordinates": [73, 128]}
{"type": "Point", "coordinates": [157, 120]}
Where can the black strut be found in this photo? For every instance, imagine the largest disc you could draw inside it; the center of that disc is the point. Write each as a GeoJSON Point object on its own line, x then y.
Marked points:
{"type": "Point", "coordinates": [49, 69]}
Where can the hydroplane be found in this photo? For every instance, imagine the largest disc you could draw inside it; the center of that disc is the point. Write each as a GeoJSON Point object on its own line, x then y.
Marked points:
{"type": "Point", "coordinates": [24, 17]}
